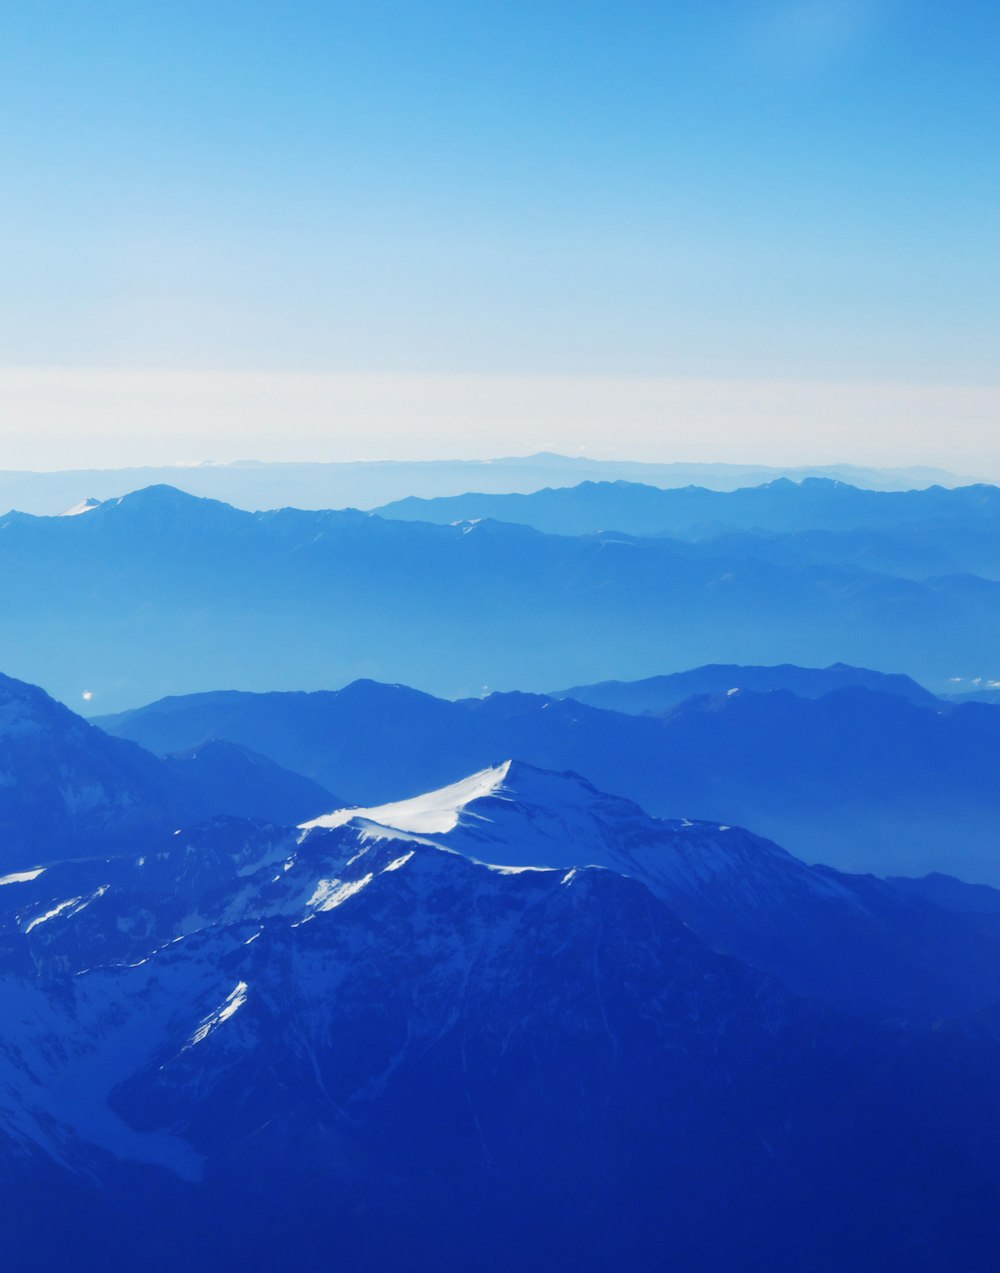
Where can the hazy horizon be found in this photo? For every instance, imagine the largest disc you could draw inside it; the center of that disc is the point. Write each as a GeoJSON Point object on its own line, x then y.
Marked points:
{"type": "Point", "coordinates": [399, 231]}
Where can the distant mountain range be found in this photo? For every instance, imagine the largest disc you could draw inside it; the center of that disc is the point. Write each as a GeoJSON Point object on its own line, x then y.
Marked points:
{"type": "Point", "coordinates": [252, 1047]}
{"type": "Point", "coordinates": [367, 484]}
{"type": "Point", "coordinates": [157, 592]}
{"type": "Point", "coordinates": [818, 522]}
{"type": "Point", "coordinates": [858, 778]}
{"type": "Point", "coordinates": [660, 693]}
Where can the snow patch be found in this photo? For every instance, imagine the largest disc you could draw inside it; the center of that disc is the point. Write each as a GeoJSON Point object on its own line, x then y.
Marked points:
{"type": "Point", "coordinates": [435, 813]}
{"type": "Point", "coordinates": [233, 1002]}
{"type": "Point", "coordinates": [85, 506]}
{"type": "Point", "coordinates": [22, 877]}
{"type": "Point", "coordinates": [330, 893]}
{"type": "Point", "coordinates": [72, 906]}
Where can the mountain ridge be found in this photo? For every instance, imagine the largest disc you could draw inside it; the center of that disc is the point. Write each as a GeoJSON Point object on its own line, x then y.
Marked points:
{"type": "Point", "coordinates": [857, 778]}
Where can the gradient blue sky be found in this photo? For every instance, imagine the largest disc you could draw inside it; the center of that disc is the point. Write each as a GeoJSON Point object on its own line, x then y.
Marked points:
{"type": "Point", "coordinates": [784, 191]}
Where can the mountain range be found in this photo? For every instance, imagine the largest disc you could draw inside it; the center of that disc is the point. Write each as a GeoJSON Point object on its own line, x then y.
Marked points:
{"type": "Point", "coordinates": [914, 534]}
{"type": "Point", "coordinates": [365, 484]}
{"type": "Point", "coordinates": [778, 506]}
{"type": "Point", "coordinates": [151, 594]}
{"type": "Point", "coordinates": [858, 778]}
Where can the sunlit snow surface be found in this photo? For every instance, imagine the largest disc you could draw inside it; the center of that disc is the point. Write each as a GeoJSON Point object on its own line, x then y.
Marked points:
{"type": "Point", "coordinates": [434, 813]}
{"type": "Point", "coordinates": [71, 906]}
{"type": "Point", "coordinates": [21, 877]}
{"type": "Point", "coordinates": [85, 506]}
{"type": "Point", "coordinates": [234, 1000]}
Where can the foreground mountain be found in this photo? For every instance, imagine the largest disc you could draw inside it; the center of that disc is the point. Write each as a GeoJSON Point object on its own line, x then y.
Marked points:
{"type": "Point", "coordinates": [257, 1048]}
{"type": "Point", "coordinates": [859, 779]}
{"type": "Point", "coordinates": [68, 789]}
{"type": "Point", "coordinates": [918, 949]}
{"type": "Point", "coordinates": [160, 593]}
{"type": "Point", "coordinates": [660, 693]}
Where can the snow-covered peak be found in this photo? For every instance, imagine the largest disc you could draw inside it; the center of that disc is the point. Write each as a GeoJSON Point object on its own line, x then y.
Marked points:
{"type": "Point", "coordinates": [85, 506]}
{"type": "Point", "coordinates": [434, 813]}
{"type": "Point", "coordinates": [516, 816]}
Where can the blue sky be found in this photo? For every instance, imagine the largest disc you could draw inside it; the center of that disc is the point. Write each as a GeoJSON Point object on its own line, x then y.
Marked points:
{"type": "Point", "coordinates": [786, 191]}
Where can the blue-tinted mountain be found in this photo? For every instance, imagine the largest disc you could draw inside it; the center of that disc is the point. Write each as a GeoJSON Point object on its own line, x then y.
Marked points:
{"type": "Point", "coordinates": [262, 1048]}
{"type": "Point", "coordinates": [68, 789]}
{"type": "Point", "coordinates": [954, 895]}
{"type": "Point", "coordinates": [815, 504]}
{"type": "Point", "coordinates": [917, 534]}
{"type": "Point", "coordinates": [922, 949]}
{"type": "Point", "coordinates": [658, 693]}
{"type": "Point", "coordinates": [162, 593]}
{"type": "Point", "coordinates": [921, 549]}
{"type": "Point", "coordinates": [976, 693]}
{"type": "Point", "coordinates": [364, 484]}
{"type": "Point", "coordinates": [858, 779]}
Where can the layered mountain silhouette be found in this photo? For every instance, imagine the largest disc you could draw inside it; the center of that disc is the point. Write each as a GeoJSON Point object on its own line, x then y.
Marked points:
{"type": "Point", "coordinates": [915, 534]}
{"type": "Point", "coordinates": [365, 484]}
{"type": "Point", "coordinates": [260, 1047]}
{"type": "Point", "coordinates": [856, 778]}
{"type": "Point", "coordinates": [154, 593]}
{"type": "Point", "coordinates": [782, 505]}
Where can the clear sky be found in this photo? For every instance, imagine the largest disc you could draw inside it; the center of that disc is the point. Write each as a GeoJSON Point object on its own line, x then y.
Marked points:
{"type": "Point", "coordinates": [735, 213]}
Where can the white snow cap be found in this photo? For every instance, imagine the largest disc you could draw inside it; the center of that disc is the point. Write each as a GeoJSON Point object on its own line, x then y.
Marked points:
{"type": "Point", "coordinates": [85, 506]}
{"type": "Point", "coordinates": [434, 813]}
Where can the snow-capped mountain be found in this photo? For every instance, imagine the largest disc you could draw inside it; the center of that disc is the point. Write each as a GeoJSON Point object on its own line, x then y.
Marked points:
{"type": "Point", "coordinates": [266, 1047]}
{"type": "Point", "coordinates": [860, 943]}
